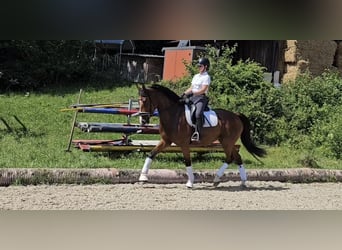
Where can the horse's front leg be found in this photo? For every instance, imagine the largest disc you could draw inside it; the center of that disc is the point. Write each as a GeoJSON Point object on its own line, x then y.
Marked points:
{"type": "Point", "coordinates": [189, 170]}
{"type": "Point", "coordinates": [161, 145]}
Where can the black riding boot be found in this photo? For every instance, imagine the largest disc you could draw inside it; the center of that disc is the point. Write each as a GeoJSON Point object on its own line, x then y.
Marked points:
{"type": "Point", "coordinates": [196, 135]}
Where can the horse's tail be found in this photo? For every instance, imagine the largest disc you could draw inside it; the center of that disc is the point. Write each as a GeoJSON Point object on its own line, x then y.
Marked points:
{"type": "Point", "coordinates": [247, 139]}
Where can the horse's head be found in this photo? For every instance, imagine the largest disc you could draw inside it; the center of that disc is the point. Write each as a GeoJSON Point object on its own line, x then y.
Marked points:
{"type": "Point", "coordinates": [145, 104]}
{"type": "Point", "coordinates": [156, 97]}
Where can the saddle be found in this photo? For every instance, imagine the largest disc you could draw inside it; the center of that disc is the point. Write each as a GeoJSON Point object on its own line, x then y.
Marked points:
{"type": "Point", "coordinates": [210, 117]}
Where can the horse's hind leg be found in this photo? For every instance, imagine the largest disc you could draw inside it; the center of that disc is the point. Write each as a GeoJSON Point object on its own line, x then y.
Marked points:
{"type": "Point", "coordinates": [234, 157]}
{"type": "Point", "coordinates": [238, 160]}
{"type": "Point", "coordinates": [148, 161]}
{"type": "Point", "coordinates": [229, 158]}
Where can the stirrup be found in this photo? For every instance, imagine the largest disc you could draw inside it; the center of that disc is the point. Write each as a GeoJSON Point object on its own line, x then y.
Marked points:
{"type": "Point", "coordinates": [195, 136]}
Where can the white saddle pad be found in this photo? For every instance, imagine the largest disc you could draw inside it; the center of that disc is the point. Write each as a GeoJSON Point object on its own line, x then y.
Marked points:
{"type": "Point", "coordinates": [210, 118]}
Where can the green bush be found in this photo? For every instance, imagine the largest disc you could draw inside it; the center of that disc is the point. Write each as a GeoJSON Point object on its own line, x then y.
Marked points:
{"type": "Point", "coordinates": [310, 104]}
{"type": "Point", "coordinates": [326, 134]}
{"type": "Point", "coordinates": [29, 64]}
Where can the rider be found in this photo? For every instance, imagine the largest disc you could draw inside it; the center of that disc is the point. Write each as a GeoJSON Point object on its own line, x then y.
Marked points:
{"type": "Point", "coordinates": [197, 93]}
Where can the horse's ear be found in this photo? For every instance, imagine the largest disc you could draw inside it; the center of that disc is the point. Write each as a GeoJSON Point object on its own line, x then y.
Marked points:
{"type": "Point", "coordinates": [141, 90]}
{"type": "Point", "coordinates": [138, 86]}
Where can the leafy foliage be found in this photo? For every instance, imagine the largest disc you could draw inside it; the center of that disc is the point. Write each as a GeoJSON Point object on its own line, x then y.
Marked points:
{"type": "Point", "coordinates": [29, 64]}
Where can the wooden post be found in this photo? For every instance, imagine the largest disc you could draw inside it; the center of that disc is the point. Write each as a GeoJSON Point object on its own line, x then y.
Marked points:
{"type": "Point", "coordinates": [73, 123]}
{"type": "Point", "coordinates": [130, 103]}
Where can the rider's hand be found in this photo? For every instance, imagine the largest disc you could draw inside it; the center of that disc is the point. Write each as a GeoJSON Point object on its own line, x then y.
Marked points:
{"type": "Point", "coordinates": [184, 99]}
{"type": "Point", "coordinates": [183, 96]}
{"type": "Point", "coordinates": [189, 95]}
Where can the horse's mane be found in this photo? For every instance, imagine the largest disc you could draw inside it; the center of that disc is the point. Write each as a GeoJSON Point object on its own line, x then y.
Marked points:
{"type": "Point", "coordinates": [166, 91]}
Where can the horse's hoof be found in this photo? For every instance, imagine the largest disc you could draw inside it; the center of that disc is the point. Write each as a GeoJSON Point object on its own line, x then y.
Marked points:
{"type": "Point", "coordinates": [215, 184]}
{"type": "Point", "coordinates": [143, 178]}
{"type": "Point", "coordinates": [216, 181]}
{"type": "Point", "coordinates": [189, 184]}
{"type": "Point", "coordinates": [243, 185]}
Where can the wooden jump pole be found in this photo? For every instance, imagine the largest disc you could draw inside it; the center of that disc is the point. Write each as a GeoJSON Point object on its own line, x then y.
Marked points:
{"type": "Point", "coordinates": [6, 124]}
{"type": "Point", "coordinates": [73, 123]}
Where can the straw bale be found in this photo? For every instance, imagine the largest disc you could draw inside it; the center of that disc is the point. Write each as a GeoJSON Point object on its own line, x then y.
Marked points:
{"type": "Point", "coordinates": [313, 55]}
{"type": "Point", "coordinates": [290, 51]}
{"type": "Point", "coordinates": [288, 77]}
{"type": "Point", "coordinates": [318, 53]}
{"type": "Point", "coordinates": [292, 72]}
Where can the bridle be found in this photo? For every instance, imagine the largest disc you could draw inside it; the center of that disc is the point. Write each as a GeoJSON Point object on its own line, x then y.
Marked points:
{"type": "Point", "coordinates": [143, 97]}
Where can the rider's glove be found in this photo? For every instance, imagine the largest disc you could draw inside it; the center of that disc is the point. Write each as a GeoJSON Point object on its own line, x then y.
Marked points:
{"type": "Point", "coordinates": [189, 95]}
{"type": "Point", "coordinates": [185, 98]}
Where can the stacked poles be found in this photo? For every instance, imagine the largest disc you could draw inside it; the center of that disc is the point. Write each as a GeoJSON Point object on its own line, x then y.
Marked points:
{"type": "Point", "coordinates": [125, 144]}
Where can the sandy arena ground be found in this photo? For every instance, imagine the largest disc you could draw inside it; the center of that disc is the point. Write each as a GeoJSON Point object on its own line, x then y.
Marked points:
{"type": "Point", "coordinates": [228, 196]}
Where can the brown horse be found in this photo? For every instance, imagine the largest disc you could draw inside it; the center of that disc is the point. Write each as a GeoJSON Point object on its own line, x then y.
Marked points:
{"type": "Point", "coordinates": [175, 129]}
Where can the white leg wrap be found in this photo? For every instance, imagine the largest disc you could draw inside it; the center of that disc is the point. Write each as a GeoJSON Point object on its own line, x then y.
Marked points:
{"type": "Point", "coordinates": [146, 166]}
{"type": "Point", "coordinates": [220, 172]}
{"type": "Point", "coordinates": [243, 174]}
{"type": "Point", "coordinates": [144, 171]}
{"type": "Point", "coordinates": [191, 177]}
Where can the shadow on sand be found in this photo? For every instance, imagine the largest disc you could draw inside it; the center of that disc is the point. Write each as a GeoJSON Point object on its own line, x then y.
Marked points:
{"type": "Point", "coordinates": [223, 187]}
{"type": "Point", "coordinates": [238, 188]}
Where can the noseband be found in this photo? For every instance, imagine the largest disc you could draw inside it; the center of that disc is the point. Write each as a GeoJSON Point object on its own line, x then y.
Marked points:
{"type": "Point", "coordinates": [143, 95]}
